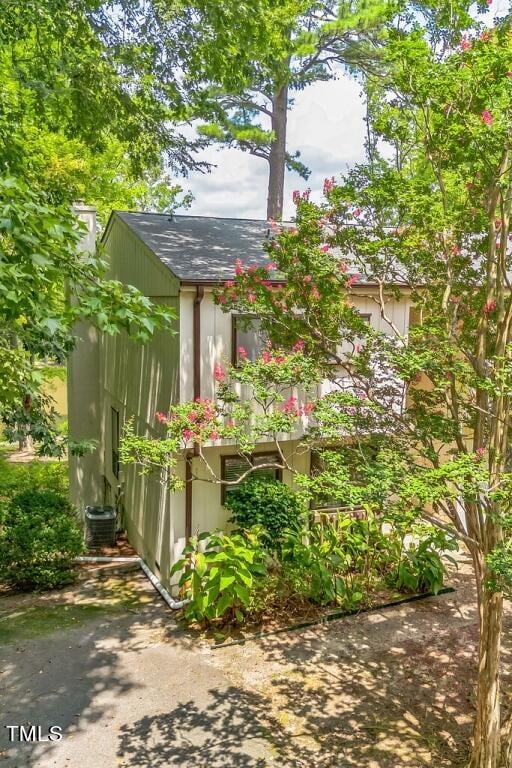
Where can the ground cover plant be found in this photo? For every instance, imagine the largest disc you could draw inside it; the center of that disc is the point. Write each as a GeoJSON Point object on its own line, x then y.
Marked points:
{"type": "Point", "coordinates": [353, 562]}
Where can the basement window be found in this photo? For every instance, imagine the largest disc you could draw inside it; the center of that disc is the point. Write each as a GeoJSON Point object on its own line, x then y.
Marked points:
{"type": "Point", "coordinates": [233, 467]}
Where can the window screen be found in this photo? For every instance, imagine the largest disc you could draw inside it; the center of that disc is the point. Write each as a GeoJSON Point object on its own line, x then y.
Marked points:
{"type": "Point", "coordinates": [247, 333]}
{"type": "Point", "coordinates": [235, 466]}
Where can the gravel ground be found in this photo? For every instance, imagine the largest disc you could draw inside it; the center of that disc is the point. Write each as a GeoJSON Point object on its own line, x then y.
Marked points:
{"type": "Point", "coordinates": [106, 661]}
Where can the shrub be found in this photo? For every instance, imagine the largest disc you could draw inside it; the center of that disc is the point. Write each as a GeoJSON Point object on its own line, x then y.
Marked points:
{"type": "Point", "coordinates": [421, 567]}
{"type": "Point", "coordinates": [218, 581]}
{"type": "Point", "coordinates": [33, 475]}
{"type": "Point", "coordinates": [39, 537]}
{"type": "Point", "coordinates": [325, 561]}
{"type": "Point", "coordinates": [270, 504]}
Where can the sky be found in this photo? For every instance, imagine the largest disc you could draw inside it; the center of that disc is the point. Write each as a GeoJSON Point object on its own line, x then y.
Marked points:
{"type": "Point", "coordinates": [326, 124]}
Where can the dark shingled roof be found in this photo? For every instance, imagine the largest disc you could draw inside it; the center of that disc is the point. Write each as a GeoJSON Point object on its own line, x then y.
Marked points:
{"type": "Point", "coordinates": [200, 248]}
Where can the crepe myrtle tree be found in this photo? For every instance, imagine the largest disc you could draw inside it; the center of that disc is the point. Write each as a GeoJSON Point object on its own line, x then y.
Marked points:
{"type": "Point", "coordinates": [431, 223]}
{"type": "Point", "coordinates": [274, 410]}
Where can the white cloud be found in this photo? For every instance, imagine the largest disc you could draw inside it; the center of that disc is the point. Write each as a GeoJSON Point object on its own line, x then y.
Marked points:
{"type": "Point", "coordinates": [326, 124]}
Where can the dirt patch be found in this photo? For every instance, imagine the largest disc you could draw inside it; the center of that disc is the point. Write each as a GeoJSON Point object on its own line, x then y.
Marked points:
{"type": "Point", "coordinates": [389, 689]}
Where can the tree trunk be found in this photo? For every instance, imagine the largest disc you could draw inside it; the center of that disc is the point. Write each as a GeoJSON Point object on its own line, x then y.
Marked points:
{"type": "Point", "coordinates": [486, 734]}
{"type": "Point", "coordinates": [277, 157]}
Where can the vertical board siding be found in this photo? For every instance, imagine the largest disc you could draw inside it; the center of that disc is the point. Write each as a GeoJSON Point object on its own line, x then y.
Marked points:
{"type": "Point", "coordinates": [139, 380]}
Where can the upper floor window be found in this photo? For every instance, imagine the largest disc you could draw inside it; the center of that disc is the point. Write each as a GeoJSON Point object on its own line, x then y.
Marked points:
{"type": "Point", "coordinates": [248, 338]}
{"type": "Point", "coordinates": [233, 467]}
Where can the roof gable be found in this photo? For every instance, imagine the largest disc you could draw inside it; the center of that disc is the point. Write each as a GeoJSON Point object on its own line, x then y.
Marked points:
{"type": "Point", "coordinates": [200, 248]}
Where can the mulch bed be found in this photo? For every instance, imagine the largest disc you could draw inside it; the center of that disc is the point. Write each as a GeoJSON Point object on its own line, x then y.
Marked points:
{"type": "Point", "coordinates": [299, 616]}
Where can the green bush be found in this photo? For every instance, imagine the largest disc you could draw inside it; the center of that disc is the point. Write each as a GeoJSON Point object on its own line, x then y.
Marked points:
{"type": "Point", "coordinates": [218, 581]}
{"type": "Point", "coordinates": [16, 477]}
{"type": "Point", "coordinates": [39, 538]}
{"type": "Point", "coordinates": [270, 504]}
{"type": "Point", "coordinates": [421, 567]}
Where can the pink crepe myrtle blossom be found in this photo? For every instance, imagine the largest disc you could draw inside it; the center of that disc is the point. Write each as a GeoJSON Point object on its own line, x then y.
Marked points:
{"type": "Point", "coordinates": [221, 299]}
{"type": "Point", "coordinates": [242, 353]}
{"type": "Point", "coordinates": [270, 266]}
{"type": "Point", "coordinates": [239, 267]}
{"type": "Point", "coordinates": [353, 279]}
{"type": "Point", "coordinates": [279, 359]}
{"type": "Point", "coordinates": [487, 117]}
{"type": "Point", "coordinates": [456, 249]}
{"type": "Point", "coordinates": [252, 269]}
{"type": "Point", "coordinates": [356, 212]}
{"type": "Point", "coordinates": [329, 185]}
{"type": "Point", "coordinates": [290, 406]}
{"type": "Point", "coordinates": [307, 278]}
{"type": "Point", "coordinates": [489, 306]}
{"type": "Point", "coordinates": [192, 416]}
{"type": "Point", "coordinates": [358, 348]}
{"type": "Point", "coordinates": [308, 408]}
{"type": "Point", "coordinates": [188, 434]}
{"type": "Point", "coordinates": [251, 297]}
{"type": "Point", "coordinates": [465, 44]}
{"type": "Point", "coordinates": [219, 374]}
{"type": "Point", "coordinates": [161, 417]}
{"type": "Point", "coordinates": [229, 284]}
{"type": "Point", "coordinates": [479, 453]}
{"type": "Point", "coordinates": [298, 346]}
{"type": "Point", "coordinates": [230, 424]}
{"type": "Point", "coordinates": [315, 294]}
{"type": "Point", "coordinates": [295, 195]}
{"type": "Point", "coordinates": [325, 248]}
{"type": "Point", "coordinates": [214, 435]}
{"type": "Point", "coordinates": [266, 356]}
{"type": "Point", "coordinates": [306, 194]}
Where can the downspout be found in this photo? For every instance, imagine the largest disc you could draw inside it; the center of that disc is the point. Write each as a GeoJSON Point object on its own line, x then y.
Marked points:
{"type": "Point", "coordinates": [176, 605]}
{"type": "Point", "coordinates": [196, 353]}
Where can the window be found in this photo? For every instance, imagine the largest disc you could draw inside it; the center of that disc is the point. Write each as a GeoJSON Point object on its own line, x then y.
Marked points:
{"type": "Point", "coordinates": [232, 467]}
{"type": "Point", "coordinates": [247, 333]}
{"type": "Point", "coordinates": [114, 418]}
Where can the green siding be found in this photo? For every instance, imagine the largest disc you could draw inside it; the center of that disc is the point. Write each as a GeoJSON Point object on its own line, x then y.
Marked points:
{"type": "Point", "coordinates": [138, 380]}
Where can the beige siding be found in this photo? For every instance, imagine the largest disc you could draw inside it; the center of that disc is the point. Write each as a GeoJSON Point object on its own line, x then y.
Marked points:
{"type": "Point", "coordinates": [207, 511]}
{"type": "Point", "coordinates": [139, 380]}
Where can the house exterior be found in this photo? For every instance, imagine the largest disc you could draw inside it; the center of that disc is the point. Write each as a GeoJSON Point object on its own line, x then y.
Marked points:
{"type": "Point", "coordinates": [177, 261]}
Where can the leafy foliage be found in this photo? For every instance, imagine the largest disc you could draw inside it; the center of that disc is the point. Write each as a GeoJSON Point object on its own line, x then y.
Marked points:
{"type": "Point", "coordinates": [218, 575]}
{"type": "Point", "coordinates": [33, 475]}
{"type": "Point", "coordinates": [39, 538]}
{"type": "Point", "coordinates": [268, 503]}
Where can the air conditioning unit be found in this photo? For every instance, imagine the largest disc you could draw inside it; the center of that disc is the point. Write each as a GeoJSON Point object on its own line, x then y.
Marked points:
{"type": "Point", "coordinates": [100, 526]}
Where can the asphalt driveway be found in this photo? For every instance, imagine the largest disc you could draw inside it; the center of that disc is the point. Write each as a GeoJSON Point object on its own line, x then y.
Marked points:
{"type": "Point", "coordinates": [107, 663]}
